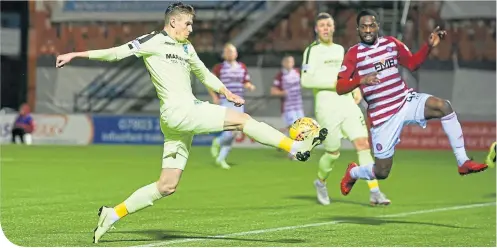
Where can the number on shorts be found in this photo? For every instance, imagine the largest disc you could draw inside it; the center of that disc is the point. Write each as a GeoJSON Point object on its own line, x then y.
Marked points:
{"type": "Point", "coordinates": [411, 96]}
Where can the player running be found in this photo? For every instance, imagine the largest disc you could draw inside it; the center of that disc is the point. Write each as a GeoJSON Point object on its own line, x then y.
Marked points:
{"type": "Point", "coordinates": [286, 85]}
{"type": "Point", "coordinates": [372, 65]}
{"type": "Point", "coordinates": [339, 114]}
{"type": "Point", "coordinates": [234, 75]}
{"type": "Point", "coordinates": [169, 58]}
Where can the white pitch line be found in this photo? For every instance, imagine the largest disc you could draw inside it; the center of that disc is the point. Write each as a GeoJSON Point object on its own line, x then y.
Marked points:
{"type": "Point", "coordinates": [210, 238]}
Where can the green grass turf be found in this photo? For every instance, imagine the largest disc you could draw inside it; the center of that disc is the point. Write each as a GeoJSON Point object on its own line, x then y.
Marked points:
{"type": "Point", "coordinates": [50, 196]}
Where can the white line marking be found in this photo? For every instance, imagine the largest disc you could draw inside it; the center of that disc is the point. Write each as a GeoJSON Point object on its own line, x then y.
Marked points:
{"type": "Point", "coordinates": [210, 238]}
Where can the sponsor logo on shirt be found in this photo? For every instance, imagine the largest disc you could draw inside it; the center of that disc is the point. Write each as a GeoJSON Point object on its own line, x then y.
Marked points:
{"type": "Point", "coordinates": [343, 68]}
{"type": "Point", "coordinates": [384, 64]}
{"type": "Point", "coordinates": [333, 61]}
{"type": "Point", "coordinates": [174, 56]}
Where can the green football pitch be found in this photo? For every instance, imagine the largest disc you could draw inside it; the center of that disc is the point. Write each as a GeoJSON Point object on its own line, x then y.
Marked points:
{"type": "Point", "coordinates": [50, 196]}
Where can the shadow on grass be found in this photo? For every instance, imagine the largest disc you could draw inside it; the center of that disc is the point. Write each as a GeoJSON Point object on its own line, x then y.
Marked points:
{"type": "Point", "coordinates": [382, 221]}
{"type": "Point", "coordinates": [491, 195]}
{"type": "Point", "coordinates": [170, 235]}
{"type": "Point", "coordinates": [313, 198]}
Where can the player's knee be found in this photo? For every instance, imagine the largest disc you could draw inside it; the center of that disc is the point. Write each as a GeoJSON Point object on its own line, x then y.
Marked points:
{"type": "Point", "coordinates": [244, 117]}
{"type": "Point", "coordinates": [166, 189]}
{"type": "Point", "coordinates": [382, 168]}
{"type": "Point", "coordinates": [442, 106]}
{"type": "Point", "coordinates": [446, 107]}
{"type": "Point", "coordinates": [235, 121]}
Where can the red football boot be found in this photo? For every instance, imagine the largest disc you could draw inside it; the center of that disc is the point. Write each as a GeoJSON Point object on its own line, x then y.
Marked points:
{"type": "Point", "coordinates": [347, 181]}
{"type": "Point", "coordinates": [471, 166]}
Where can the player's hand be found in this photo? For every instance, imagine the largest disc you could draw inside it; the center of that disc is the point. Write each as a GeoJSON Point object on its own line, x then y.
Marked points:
{"type": "Point", "coordinates": [250, 87]}
{"type": "Point", "coordinates": [63, 59]}
{"type": "Point", "coordinates": [436, 36]}
{"type": "Point", "coordinates": [370, 79]}
{"type": "Point", "coordinates": [236, 99]}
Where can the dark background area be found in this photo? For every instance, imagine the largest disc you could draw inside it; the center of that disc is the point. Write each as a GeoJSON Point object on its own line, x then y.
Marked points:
{"type": "Point", "coordinates": [15, 14]}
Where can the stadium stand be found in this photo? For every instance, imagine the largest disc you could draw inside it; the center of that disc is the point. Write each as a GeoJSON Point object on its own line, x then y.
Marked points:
{"type": "Point", "coordinates": [472, 39]}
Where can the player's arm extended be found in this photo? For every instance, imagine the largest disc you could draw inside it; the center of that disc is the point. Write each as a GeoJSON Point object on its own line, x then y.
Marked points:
{"type": "Point", "coordinates": [346, 81]}
{"type": "Point", "coordinates": [111, 55]}
{"type": "Point", "coordinates": [205, 75]}
{"type": "Point", "coordinates": [308, 77]}
{"type": "Point", "coordinates": [409, 60]}
{"type": "Point", "coordinates": [134, 47]}
{"type": "Point", "coordinates": [118, 53]}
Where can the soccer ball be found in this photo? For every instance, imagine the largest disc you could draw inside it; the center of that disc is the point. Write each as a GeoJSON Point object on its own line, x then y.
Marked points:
{"type": "Point", "coordinates": [302, 128]}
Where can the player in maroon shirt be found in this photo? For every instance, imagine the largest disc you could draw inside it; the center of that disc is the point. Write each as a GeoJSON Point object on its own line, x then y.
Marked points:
{"type": "Point", "coordinates": [235, 77]}
{"type": "Point", "coordinates": [372, 65]}
{"type": "Point", "coordinates": [286, 85]}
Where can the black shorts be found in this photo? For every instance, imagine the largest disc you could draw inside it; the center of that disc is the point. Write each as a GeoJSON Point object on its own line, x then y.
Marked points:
{"type": "Point", "coordinates": [18, 132]}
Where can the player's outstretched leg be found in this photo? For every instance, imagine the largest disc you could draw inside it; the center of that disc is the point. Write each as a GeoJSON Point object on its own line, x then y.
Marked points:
{"type": "Point", "coordinates": [289, 155]}
{"type": "Point", "coordinates": [380, 170]}
{"type": "Point", "coordinates": [216, 147]}
{"type": "Point", "coordinates": [353, 173]}
{"type": "Point", "coordinates": [355, 129]}
{"type": "Point", "coordinates": [439, 108]}
{"type": "Point", "coordinates": [490, 161]}
{"type": "Point", "coordinates": [140, 199]}
{"type": "Point", "coordinates": [224, 142]}
{"type": "Point", "coordinates": [364, 155]}
{"type": "Point", "coordinates": [267, 135]}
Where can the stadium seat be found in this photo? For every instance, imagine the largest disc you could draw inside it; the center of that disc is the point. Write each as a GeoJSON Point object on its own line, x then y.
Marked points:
{"type": "Point", "coordinates": [470, 40]}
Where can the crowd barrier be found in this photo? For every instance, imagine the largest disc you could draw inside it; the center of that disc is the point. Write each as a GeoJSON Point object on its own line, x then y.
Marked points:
{"type": "Point", "coordinates": [145, 130]}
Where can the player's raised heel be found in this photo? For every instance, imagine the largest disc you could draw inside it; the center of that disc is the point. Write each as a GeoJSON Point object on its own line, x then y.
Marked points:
{"type": "Point", "coordinates": [304, 155]}
{"type": "Point", "coordinates": [347, 181]}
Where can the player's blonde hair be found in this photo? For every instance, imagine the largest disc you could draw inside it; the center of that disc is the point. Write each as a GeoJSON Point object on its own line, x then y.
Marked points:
{"type": "Point", "coordinates": [322, 16]}
{"type": "Point", "coordinates": [176, 9]}
{"type": "Point", "coordinates": [229, 45]}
